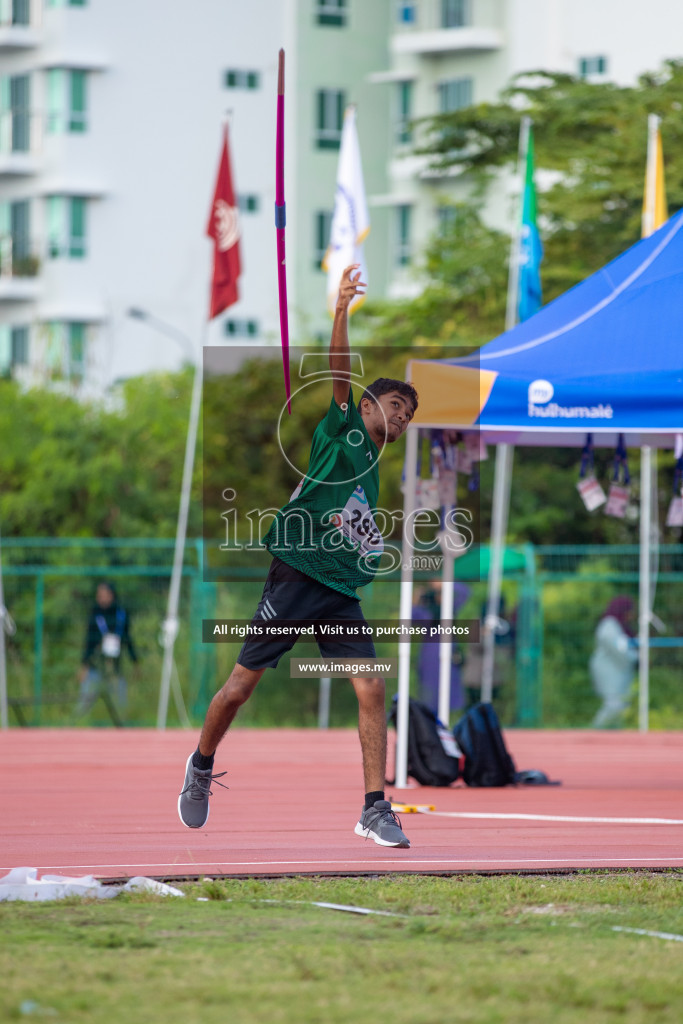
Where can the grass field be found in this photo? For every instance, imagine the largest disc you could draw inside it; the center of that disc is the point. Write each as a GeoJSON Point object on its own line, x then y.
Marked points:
{"type": "Point", "coordinates": [508, 949]}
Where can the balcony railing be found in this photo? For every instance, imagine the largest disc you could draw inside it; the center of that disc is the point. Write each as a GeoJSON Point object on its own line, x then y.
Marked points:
{"type": "Point", "coordinates": [443, 26]}
{"type": "Point", "coordinates": [19, 269]}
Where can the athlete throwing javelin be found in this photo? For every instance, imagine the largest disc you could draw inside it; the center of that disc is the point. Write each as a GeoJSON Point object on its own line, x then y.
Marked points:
{"type": "Point", "coordinates": [325, 544]}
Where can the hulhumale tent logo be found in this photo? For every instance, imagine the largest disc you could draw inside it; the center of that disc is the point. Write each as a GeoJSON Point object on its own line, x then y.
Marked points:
{"type": "Point", "coordinates": [540, 392]}
{"type": "Point", "coordinates": [540, 405]}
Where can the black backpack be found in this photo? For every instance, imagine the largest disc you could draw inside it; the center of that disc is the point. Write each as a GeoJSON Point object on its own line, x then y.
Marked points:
{"type": "Point", "coordinates": [429, 762]}
{"type": "Point", "coordinates": [487, 761]}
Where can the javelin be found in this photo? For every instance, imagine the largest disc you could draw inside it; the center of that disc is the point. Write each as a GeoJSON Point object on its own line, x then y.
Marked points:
{"type": "Point", "coordinates": [281, 220]}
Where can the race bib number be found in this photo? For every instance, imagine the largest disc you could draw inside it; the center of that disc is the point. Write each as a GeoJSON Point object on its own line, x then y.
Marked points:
{"type": "Point", "coordinates": [111, 645]}
{"type": "Point", "coordinates": [358, 525]}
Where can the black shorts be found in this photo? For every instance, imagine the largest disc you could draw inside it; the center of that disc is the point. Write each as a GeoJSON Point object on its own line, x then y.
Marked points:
{"type": "Point", "coordinates": [291, 595]}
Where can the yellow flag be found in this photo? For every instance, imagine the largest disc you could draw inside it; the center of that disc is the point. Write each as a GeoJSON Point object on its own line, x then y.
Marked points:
{"type": "Point", "coordinates": [654, 197]}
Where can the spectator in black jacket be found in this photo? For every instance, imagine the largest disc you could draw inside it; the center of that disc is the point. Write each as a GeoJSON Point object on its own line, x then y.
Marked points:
{"type": "Point", "coordinates": [107, 633]}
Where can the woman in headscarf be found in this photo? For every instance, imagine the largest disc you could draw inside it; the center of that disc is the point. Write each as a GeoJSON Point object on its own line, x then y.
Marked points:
{"type": "Point", "coordinates": [613, 662]}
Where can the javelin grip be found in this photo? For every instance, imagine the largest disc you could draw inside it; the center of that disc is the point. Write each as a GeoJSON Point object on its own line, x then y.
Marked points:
{"type": "Point", "coordinates": [280, 215]}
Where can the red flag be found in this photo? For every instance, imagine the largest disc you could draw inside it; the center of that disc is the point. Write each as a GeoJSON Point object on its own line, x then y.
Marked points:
{"type": "Point", "coordinates": [224, 228]}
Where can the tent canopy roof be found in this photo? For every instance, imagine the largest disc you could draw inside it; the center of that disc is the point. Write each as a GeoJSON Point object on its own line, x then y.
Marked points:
{"type": "Point", "coordinates": [604, 358]}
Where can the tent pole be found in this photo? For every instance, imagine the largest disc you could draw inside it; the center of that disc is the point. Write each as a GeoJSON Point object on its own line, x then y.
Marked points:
{"type": "Point", "coordinates": [499, 516]}
{"type": "Point", "coordinates": [644, 588]}
{"type": "Point", "coordinates": [406, 607]}
{"type": "Point", "coordinates": [446, 645]}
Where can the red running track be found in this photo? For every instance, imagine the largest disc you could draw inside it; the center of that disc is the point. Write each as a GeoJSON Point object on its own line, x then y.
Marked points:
{"type": "Point", "coordinates": [103, 802]}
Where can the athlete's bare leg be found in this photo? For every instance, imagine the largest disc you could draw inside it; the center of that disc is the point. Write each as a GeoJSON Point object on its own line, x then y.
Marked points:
{"type": "Point", "coordinates": [372, 730]}
{"type": "Point", "coordinates": [238, 688]}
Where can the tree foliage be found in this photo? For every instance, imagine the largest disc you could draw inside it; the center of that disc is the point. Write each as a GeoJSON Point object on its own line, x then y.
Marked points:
{"type": "Point", "coordinates": [76, 470]}
{"type": "Point", "coordinates": [591, 142]}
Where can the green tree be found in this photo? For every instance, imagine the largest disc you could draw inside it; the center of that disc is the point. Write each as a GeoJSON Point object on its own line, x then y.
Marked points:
{"type": "Point", "coordinates": [71, 469]}
{"type": "Point", "coordinates": [592, 138]}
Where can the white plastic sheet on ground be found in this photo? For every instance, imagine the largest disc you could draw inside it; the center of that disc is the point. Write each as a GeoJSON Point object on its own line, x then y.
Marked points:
{"type": "Point", "coordinates": [24, 884]}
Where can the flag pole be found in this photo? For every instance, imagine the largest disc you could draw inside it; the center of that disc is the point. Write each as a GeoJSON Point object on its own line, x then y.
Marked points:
{"type": "Point", "coordinates": [515, 244]}
{"type": "Point", "coordinates": [648, 528]}
{"type": "Point", "coordinates": [504, 452]}
{"type": "Point", "coordinates": [169, 629]}
{"type": "Point", "coordinates": [649, 212]}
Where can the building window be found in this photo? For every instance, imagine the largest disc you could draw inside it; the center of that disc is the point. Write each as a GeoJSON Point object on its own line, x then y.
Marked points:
{"type": "Point", "coordinates": [5, 350]}
{"type": "Point", "coordinates": [242, 328]}
{"type": "Point", "coordinates": [16, 12]}
{"type": "Point", "coordinates": [322, 228]}
{"type": "Point", "coordinates": [405, 13]}
{"type": "Point", "coordinates": [76, 350]}
{"type": "Point", "coordinates": [455, 94]}
{"type": "Point", "coordinates": [331, 12]}
{"type": "Point", "coordinates": [446, 217]}
{"type": "Point", "coordinates": [403, 244]}
{"type": "Point", "coordinates": [248, 204]}
{"type": "Point", "coordinates": [455, 13]}
{"type": "Point", "coordinates": [404, 134]}
{"type": "Point", "coordinates": [66, 100]}
{"type": "Point", "coordinates": [66, 349]}
{"type": "Point", "coordinates": [66, 227]}
{"type": "Point", "coordinates": [16, 256]}
{"type": "Point", "coordinates": [330, 105]}
{"type": "Point", "coordinates": [19, 346]}
{"type": "Point", "coordinates": [592, 66]}
{"type": "Point", "coordinates": [238, 79]}
{"type": "Point", "coordinates": [15, 116]}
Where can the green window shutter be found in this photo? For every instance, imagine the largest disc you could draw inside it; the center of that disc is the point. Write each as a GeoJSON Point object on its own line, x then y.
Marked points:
{"type": "Point", "coordinates": [77, 227]}
{"type": "Point", "coordinates": [405, 112]}
{"type": "Point", "coordinates": [55, 226]}
{"type": "Point", "coordinates": [77, 101]}
{"type": "Point", "coordinates": [20, 103]}
{"type": "Point", "coordinates": [76, 349]}
{"type": "Point", "coordinates": [5, 349]}
{"type": "Point", "coordinates": [20, 12]}
{"type": "Point", "coordinates": [5, 115]}
{"type": "Point", "coordinates": [403, 248]}
{"type": "Point", "coordinates": [20, 219]}
{"type": "Point", "coordinates": [19, 342]}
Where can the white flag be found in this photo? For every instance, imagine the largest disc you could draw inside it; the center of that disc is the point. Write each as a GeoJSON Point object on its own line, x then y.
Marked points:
{"type": "Point", "coordinates": [350, 223]}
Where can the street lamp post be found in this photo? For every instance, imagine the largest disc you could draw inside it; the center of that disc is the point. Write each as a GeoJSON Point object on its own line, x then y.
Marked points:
{"type": "Point", "coordinates": [170, 624]}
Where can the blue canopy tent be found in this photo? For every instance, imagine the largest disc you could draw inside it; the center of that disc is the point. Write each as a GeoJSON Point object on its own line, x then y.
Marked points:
{"type": "Point", "coordinates": [605, 358]}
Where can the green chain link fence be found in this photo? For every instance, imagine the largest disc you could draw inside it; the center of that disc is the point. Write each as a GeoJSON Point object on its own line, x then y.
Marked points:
{"type": "Point", "coordinates": [553, 598]}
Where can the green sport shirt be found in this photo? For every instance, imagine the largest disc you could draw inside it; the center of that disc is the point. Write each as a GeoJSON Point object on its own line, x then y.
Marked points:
{"type": "Point", "coordinates": [327, 529]}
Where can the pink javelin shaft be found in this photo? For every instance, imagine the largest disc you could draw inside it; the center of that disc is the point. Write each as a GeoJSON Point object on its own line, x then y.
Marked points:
{"type": "Point", "coordinates": [281, 220]}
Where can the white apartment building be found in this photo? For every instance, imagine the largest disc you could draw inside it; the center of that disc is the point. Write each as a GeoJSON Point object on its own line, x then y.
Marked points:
{"type": "Point", "coordinates": [447, 54]}
{"type": "Point", "coordinates": [111, 116]}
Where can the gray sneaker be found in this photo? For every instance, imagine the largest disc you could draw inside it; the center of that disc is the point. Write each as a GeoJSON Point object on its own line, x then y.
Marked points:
{"type": "Point", "coordinates": [381, 824]}
{"type": "Point", "coordinates": [193, 802]}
